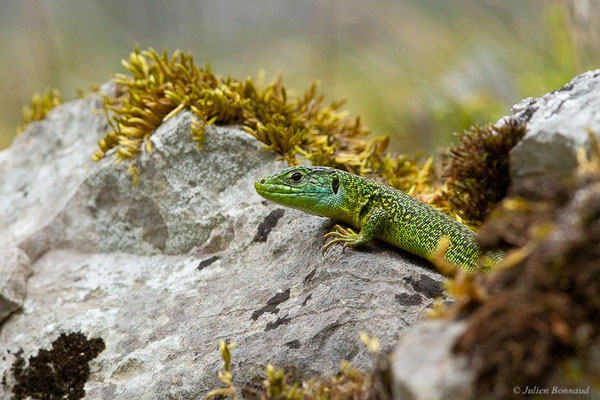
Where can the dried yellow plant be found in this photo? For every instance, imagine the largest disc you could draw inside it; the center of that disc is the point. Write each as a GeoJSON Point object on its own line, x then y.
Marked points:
{"type": "Point", "coordinates": [40, 106]}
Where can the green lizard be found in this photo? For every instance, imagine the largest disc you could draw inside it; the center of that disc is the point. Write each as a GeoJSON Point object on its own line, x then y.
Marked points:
{"type": "Point", "coordinates": [378, 210]}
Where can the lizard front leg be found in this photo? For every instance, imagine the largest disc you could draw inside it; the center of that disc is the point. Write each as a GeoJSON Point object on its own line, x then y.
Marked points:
{"type": "Point", "coordinates": [374, 222]}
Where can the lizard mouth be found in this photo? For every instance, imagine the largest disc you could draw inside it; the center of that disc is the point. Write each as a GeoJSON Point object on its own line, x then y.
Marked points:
{"type": "Point", "coordinates": [290, 196]}
{"type": "Point", "coordinates": [267, 190]}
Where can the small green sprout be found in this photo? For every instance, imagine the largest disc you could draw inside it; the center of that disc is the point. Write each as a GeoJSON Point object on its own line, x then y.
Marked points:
{"type": "Point", "coordinates": [225, 375]}
{"type": "Point", "coordinates": [276, 387]}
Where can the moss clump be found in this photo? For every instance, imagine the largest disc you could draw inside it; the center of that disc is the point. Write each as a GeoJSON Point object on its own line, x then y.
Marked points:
{"type": "Point", "coordinates": [40, 106]}
{"type": "Point", "coordinates": [159, 86]}
{"type": "Point", "coordinates": [540, 308]}
{"type": "Point", "coordinates": [477, 172]}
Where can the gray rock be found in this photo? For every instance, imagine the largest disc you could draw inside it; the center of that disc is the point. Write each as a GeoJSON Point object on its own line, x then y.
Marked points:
{"type": "Point", "coordinates": [163, 271]}
{"type": "Point", "coordinates": [557, 126]}
{"type": "Point", "coordinates": [14, 271]}
{"type": "Point", "coordinates": [48, 160]}
{"type": "Point", "coordinates": [424, 367]}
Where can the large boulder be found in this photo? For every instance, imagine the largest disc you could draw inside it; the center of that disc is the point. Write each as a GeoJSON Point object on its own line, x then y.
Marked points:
{"type": "Point", "coordinates": [162, 271]}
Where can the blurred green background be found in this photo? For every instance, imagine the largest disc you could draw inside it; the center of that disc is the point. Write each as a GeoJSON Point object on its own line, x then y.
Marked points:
{"type": "Point", "coordinates": [418, 69]}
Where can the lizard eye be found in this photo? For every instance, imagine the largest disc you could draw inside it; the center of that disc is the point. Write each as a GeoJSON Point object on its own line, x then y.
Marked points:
{"type": "Point", "coordinates": [335, 184]}
{"type": "Point", "coordinates": [296, 177]}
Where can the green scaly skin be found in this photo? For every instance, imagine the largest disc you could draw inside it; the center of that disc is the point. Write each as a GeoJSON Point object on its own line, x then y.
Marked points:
{"type": "Point", "coordinates": [378, 210]}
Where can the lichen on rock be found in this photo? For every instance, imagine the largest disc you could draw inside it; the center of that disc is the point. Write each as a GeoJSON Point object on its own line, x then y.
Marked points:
{"type": "Point", "coordinates": [60, 372]}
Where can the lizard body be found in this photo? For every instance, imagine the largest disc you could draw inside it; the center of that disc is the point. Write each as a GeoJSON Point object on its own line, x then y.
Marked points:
{"type": "Point", "coordinates": [378, 210]}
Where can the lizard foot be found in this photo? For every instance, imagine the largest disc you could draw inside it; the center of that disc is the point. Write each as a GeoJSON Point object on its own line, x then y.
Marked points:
{"type": "Point", "coordinates": [341, 235]}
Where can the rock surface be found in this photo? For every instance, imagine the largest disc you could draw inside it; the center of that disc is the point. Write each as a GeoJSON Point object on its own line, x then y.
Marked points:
{"type": "Point", "coordinates": [14, 270]}
{"type": "Point", "coordinates": [424, 366]}
{"type": "Point", "coordinates": [163, 271]}
{"type": "Point", "coordinates": [557, 125]}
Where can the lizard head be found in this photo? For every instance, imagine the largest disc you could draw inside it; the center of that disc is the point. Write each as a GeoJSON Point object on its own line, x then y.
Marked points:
{"type": "Point", "coordinates": [310, 189]}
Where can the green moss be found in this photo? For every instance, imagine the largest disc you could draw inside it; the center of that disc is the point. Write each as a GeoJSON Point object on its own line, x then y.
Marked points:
{"type": "Point", "coordinates": [159, 86]}
{"type": "Point", "coordinates": [477, 171]}
{"type": "Point", "coordinates": [40, 106]}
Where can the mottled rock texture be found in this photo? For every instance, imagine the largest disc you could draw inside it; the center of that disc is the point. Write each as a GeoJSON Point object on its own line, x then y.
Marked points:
{"type": "Point", "coordinates": [14, 271]}
{"type": "Point", "coordinates": [161, 272]}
